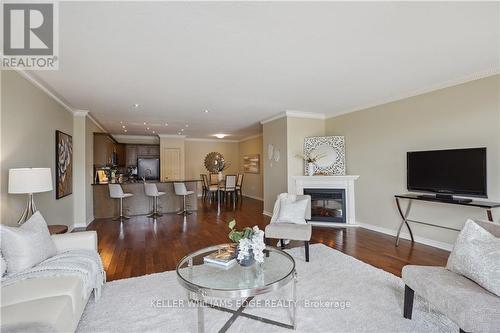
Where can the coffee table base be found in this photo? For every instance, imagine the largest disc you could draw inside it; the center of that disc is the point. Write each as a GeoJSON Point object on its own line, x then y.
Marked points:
{"type": "Point", "coordinates": [239, 312]}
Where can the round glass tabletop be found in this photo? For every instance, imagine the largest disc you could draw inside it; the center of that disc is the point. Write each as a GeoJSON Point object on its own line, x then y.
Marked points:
{"type": "Point", "coordinates": [235, 281]}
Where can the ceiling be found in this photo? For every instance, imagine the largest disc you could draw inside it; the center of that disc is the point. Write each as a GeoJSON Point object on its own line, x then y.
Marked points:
{"type": "Point", "coordinates": [245, 62]}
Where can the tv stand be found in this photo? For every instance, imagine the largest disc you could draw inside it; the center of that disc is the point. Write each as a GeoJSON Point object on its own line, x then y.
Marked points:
{"type": "Point", "coordinates": [446, 198]}
{"type": "Point", "coordinates": [441, 199]}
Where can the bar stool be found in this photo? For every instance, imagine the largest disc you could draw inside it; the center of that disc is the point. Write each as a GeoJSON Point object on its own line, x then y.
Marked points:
{"type": "Point", "coordinates": [152, 192]}
{"type": "Point", "coordinates": [180, 189]}
{"type": "Point", "coordinates": [116, 192]}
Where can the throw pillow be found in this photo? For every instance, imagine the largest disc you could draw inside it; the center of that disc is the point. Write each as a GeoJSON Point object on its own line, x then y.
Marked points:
{"type": "Point", "coordinates": [25, 246]}
{"type": "Point", "coordinates": [292, 212]}
{"type": "Point", "coordinates": [3, 265]}
{"type": "Point", "coordinates": [476, 256]}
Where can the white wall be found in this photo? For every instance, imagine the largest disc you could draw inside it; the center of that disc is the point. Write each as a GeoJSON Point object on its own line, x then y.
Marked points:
{"type": "Point", "coordinates": [30, 119]}
{"type": "Point", "coordinates": [377, 139]}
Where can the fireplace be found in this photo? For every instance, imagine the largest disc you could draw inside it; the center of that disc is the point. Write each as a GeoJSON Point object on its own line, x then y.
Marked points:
{"type": "Point", "coordinates": [327, 204]}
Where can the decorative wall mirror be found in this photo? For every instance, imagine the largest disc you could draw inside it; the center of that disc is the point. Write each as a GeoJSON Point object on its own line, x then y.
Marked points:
{"type": "Point", "coordinates": [214, 162]}
{"type": "Point", "coordinates": [329, 152]}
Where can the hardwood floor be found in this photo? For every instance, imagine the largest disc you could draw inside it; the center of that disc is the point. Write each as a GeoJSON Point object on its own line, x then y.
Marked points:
{"type": "Point", "coordinates": [142, 246]}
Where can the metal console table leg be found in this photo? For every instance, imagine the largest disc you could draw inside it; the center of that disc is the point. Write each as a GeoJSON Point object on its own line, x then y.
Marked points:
{"type": "Point", "coordinates": [404, 217]}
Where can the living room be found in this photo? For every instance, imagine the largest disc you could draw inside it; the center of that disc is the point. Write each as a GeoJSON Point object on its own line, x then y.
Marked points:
{"type": "Point", "coordinates": [242, 166]}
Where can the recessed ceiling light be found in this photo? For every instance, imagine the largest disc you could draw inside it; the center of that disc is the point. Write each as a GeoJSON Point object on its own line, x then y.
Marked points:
{"type": "Point", "coordinates": [206, 111]}
{"type": "Point", "coordinates": [137, 105]}
{"type": "Point", "coordinates": [125, 131]}
{"type": "Point", "coordinates": [220, 135]}
{"type": "Point", "coordinates": [144, 123]}
{"type": "Point", "coordinates": [179, 133]}
{"type": "Point", "coordinates": [166, 124]}
{"type": "Point", "coordinates": [147, 128]}
{"type": "Point", "coordinates": [123, 126]}
{"type": "Point", "coordinates": [121, 122]}
{"type": "Point", "coordinates": [187, 125]}
{"type": "Point", "coordinates": [154, 132]}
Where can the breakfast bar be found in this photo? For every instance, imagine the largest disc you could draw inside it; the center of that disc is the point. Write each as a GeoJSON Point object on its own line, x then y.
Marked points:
{"type": "Point", "coordinates": [139, 203]}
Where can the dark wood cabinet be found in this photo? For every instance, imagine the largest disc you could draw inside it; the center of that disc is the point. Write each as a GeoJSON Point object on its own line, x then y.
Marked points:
{"type": "Point", "coordinates": [131, 152]}
{"type": "Point", "coordinates": [135, 151]}
{"type": "Point", "coordinates": [104, 149]}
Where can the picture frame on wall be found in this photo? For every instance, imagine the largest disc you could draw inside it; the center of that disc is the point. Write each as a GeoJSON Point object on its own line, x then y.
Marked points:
{"type": "Point", "coordinates": [64, 164]}
{"type": "Point", "coordinates": [251, 163]}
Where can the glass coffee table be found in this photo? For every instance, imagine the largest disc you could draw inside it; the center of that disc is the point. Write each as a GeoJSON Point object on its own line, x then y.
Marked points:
{"type": "Point", "coordinates": [207, 281]}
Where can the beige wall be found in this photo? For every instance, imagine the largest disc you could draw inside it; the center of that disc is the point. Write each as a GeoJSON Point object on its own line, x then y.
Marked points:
{"type": "Point", "coordinates": [29, 121]}
{"type": "Point", "coordinates": [297, 130]}
{"type": "Point", "coordinates": [275, 173]}
{"type": "Point", "coordinates": [377, 139]}
{"type": "Point", "coordinates": [197, 150]}
{"type": "Point", "coordinates": [253, 184]}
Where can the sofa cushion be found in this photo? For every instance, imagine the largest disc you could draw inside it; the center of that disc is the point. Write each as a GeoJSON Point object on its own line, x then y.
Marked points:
{"type": "Point", "coordinates": [25, 246]}
{"type": "Point", "coordinates": [31, 289]}
{"type": "Point", "coordinates": [471, 307]}
{"type": "Point", "coordinates": [52, 314]}
{"type": "Point", "coordinates": [476, 255]}
{"type": "Point", "coordinates": [292, 231]}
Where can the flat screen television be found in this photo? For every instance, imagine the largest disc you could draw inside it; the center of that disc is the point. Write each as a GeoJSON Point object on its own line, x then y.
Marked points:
{"type": "Point", "coordinates": [448, 172]}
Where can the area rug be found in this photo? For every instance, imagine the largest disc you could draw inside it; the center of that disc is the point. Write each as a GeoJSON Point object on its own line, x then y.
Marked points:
{"type": "Point", "coordinates": [336, 293]}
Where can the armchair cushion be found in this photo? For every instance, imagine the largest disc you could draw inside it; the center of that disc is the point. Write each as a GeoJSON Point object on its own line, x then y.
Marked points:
{"type": "Point", "coordinates": [301, 232]}
{"type": "Point", "coordinates": [476, 255]}
{"type": "Point", "coordinates": [471, 307]}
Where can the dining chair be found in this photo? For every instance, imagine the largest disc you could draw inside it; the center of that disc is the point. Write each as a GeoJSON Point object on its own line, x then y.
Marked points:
{"type": "Point", "coordinates": [204, 185]}
{"type": "Point", "coordinates": [230, 188]}
{"type": "Point", "coordinates": [239, 184]}
{"type": "Point", "coordinates": [214, 179]}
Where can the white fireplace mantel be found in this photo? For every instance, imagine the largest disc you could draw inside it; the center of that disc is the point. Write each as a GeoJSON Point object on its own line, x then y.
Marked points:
{"type": "Point", "coordinates": [337, 182]}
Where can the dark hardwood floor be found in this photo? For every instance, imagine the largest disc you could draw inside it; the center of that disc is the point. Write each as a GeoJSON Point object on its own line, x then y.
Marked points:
{"type": "Point", "coordinates": [142, 246]}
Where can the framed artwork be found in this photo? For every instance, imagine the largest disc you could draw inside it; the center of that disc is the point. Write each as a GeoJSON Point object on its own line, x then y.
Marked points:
{"type": "Point", "coordinates": [329, 152]}
{"type": "Point", "coordinates": [251, 163]}
{"type": "Point", "coordinates": [64, 164]}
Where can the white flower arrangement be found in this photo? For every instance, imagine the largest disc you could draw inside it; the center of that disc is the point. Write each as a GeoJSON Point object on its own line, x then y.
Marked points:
{"type": "Point", "coordinates": [248, 239]}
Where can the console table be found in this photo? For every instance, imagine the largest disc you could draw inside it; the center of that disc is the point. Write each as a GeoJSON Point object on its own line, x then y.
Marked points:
{"type": "Point", "coordinates": [411, 197]}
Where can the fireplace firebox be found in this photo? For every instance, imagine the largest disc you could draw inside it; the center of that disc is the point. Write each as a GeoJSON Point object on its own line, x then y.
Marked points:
{"type": "Point", "coordinates": [327, 204]}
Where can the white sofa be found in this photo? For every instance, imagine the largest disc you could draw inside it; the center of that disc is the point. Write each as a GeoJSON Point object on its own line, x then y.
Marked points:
{"type": "Point", "coordinates": [48, 304]}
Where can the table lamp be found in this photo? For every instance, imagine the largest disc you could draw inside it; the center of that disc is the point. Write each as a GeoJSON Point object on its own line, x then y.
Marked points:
{"type": "Point", "coordinates": [29, 181]}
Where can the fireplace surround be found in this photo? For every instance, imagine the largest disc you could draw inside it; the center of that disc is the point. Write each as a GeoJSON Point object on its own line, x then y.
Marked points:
{"type": "Point", "coordinates": [338, 198]}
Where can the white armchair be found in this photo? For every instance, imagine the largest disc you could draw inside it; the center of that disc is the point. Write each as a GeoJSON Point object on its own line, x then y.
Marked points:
{"type": "Point", "coordinates": [289, 230]}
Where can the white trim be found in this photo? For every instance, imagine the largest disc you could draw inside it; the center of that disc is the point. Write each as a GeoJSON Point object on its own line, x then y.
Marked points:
{"type": "Point", "coordinates": [78, 225]}
{"type": "Point", "coordinates": [443, 85]}
{"type": "Point", "coordinates": [253, 197]}
{"type": "Point", "coordinates": [46, 90]}
{"type": "Point", "coordinates": [172, 136]}
{"type": "Point", "coordinates": [90, 220]}
{"type": "Point", "coordinates": [212, 140]}
{"type": "Point", "coordinates": [80, 113]}
{"type": "Point", "coordinates": [96, 123]}
{"type": "Point", "coordinates": [404, 235]}
{"type": "Point", "coordinates": [267, 213]}
{"type": "Point", "coordinates": [295, 114]}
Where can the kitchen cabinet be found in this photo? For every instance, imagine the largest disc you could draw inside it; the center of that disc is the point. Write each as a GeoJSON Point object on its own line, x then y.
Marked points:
{"type": "Point", "coordinates": [133, 152]}
{"type": "Point", "coordinates": [131, 155]}
{"type": "Point", "coordinates": [104, 148]}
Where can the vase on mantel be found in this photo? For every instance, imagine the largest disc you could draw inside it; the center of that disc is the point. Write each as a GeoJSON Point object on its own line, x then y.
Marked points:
{"type": "Point", "coordinates": [311, 168]}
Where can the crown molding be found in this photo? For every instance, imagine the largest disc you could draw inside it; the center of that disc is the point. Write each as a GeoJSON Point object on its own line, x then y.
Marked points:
{"type": "Point", "coordinates": [80, 113]}
{"type": "Point", "coordinates": [251, 137]}
{"type": "Point", "coordinates": [46, 90]}
{"type": "Point", "coordinates": [295, 114]}
{"type": "Point", "coordinates": [212, 140]}
{"type": "Point", "coordinates": [129, 138]}
{"type": "Point", "coordinates": [176, 136]}
{"type": "Point", "coordinates": [447, 84]}
{"type": "Point", "coordinates": [96, 122]}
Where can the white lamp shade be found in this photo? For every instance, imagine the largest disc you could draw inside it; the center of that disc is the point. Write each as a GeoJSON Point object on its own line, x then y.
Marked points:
{"type": "Point", "coordinates": [30, 180]}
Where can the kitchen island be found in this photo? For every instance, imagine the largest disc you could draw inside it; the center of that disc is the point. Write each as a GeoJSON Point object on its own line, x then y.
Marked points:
{"type": "Point", "coordinates": [140, 204]}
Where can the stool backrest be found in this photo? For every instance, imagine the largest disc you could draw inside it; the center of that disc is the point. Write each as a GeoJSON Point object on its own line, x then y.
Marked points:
{"type": "Point", "coordinates": [239, 182]}
{"type": "Point", "coordinates": [150, 189]}
{"type": "Point", "coordinates": [180, 188]}
{"type": "Point", "coordinates": [214, 179]}
{"type": "Point", "coordinates": [115, 191]}
{"type": "Point", "coordinates": [230, 182]}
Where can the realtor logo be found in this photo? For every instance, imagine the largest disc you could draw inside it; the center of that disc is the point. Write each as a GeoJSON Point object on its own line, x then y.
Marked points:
{"type": "Point", "coordinates": [29, 36]}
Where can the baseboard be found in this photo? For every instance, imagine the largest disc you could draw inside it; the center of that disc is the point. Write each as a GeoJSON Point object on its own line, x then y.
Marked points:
{"type": "Point", "coordinates": [90, 220]}
{"type": "Point", "coordinates": [267, 213]}
{"type": "Point", "coordinates": [404, 235]}
{"type": "Point", "coordinates": [253, 197]}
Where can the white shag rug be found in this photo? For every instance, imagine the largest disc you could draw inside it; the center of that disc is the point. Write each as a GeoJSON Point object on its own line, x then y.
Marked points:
{"type": "Point", "coordinates": [357, 297]}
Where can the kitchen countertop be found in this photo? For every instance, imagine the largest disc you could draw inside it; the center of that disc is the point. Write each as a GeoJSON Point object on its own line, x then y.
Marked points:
{"type": "Point", "coordinates": [155, 182]}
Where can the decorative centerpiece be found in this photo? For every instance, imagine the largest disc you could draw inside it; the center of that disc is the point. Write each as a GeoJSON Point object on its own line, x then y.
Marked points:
{"type": "Point", "coordinates": [250, 244]}
{"type": "Point", "coordinates": [215, 163]}
{"type": "Point", "coordinates": [311, 162]}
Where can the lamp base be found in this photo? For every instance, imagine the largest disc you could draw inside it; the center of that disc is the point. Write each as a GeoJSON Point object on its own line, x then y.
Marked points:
{"type": "Point", "coordinates": [29, 210]}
